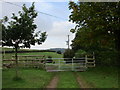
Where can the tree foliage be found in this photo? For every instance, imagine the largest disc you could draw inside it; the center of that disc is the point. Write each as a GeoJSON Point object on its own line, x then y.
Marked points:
{"type": "Point", "coordinates": [21, 29]}
{"type": "Point", "coordinates": [68, 54]}
{"type": "Point", "coordinates": [97, 25]}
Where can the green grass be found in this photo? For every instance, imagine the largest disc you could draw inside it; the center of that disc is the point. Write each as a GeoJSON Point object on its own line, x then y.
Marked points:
{"type": "Point", "coordinates": [98, 77]}
{"type": "Point", "coordinates": [53, 54]}
{"type": "Point", "coordinates": [9, 55]}
{"type": "Point", "coordinates": [101, 77]}
{"type": "Point", "coordinates": [31, 78]}
{"type": "Point", "coordinates": [6, 49]}
{"type": "Point", "coordinates": [67, 80]}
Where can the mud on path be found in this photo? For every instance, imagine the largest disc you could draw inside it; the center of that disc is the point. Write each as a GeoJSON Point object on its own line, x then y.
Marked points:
{"type": "Point", "coordinates": [53, 83]}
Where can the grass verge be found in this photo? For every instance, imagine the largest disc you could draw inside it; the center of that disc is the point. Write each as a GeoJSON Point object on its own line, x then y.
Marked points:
{"type": "Point", "coordinates": [67, 80]}
{"type": "Point", "coordinates": [30, 78]}
{"type": "Point", "coordinates": [101, 77]}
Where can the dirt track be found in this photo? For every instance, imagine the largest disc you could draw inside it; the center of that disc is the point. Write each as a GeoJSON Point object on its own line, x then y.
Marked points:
{"type": "Point", "coordinates": [53, 83]}
{"type": "Point", "coordinates": [81, 81]}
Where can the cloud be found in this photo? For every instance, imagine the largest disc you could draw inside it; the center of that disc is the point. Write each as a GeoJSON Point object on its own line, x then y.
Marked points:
{"type": "Point", "coordinates": [44, 6]}
{"type": "Point", "coordinates": [57, 35]}
{"type": "Point", "coordinates": [9, 8]}
{"type": "Point", "coordinates": [0, 8]}
{"type": "Point", "coordinates": [38, 0]}
{"type": "Point", "coordinates": [57, 29]}
{"type": "Point", "coordinates": [61, 28]}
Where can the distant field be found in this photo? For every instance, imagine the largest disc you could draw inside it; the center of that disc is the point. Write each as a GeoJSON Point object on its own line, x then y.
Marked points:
{"type": "Point", "coordinates": [6, 49]}
{"type": "Point", "coordinates": [11, 49]}
{"type": "Point", "coordinates": [9, 55]}
{"type": "Point", "coordinates": [52, 54]}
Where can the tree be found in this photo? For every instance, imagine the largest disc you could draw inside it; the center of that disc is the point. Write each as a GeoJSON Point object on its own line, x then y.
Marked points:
{"type": "Point", "coordinates": [21, 30]}
{"type": "Point", "coordinates": [97, 24]}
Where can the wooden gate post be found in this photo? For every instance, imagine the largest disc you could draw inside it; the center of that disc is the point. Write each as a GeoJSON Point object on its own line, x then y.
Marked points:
{"type": "Point", "coordinates": [72, 65]}
{"type": "Point", "coordinates": [94, 59]}
{"type": "Point", "coordinates": [45, 64]}
{"type": "Point", "coordinates": [59, 64]}
{"type": "Point", "coordinates": [86, 61]}
{"type": "Point", "coordinates": [4, 55]}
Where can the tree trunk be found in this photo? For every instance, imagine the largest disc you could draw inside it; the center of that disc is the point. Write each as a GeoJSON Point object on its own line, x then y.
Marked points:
{"type": "Point", "coordinates": [16, 60]}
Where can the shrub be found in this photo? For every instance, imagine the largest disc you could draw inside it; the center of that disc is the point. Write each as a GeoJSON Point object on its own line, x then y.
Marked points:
{"type": "Point", "coordinates": [49, 60]}
{"type": "Point", "coordinates": [106, 58]}
{"type": "Point", "coordinates": [59, 52]}
{"type": "Point", "coordinates": [80, 53]}
{"type": "Point", "coordinates": [68, 54]}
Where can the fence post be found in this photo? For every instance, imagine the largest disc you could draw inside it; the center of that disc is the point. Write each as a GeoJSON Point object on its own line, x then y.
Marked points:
{"type": "Point", "coordinates": [93, 55]}
{"type": "Point", "coordinates": [72, 64]}
{"type": "Point", "coordinates": [4, 54]}
{"type": "Point", "coordinates": [94, 58]}
{"type": "Point", "coordinates": [45, 64]}
{"type": "Point", "coordinates": [26, 62]}
{"type": "Point", "coordinates": [59, 64]}
{"type": "Point", "coordinates": [85, 60]}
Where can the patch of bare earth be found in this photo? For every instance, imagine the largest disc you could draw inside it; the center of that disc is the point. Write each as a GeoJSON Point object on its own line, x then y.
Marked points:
{"type": "Point", "coordinates": [82, 82]}
{"type": "Point", "coordinates": [53, 83]}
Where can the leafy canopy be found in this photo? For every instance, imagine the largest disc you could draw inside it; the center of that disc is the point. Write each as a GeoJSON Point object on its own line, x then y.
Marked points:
{"type": "Point", "coordinates": [97, 29]}
{"type": "Point", "coordinates": [20, 31]}
{"type": "Point", "coordinates": [97, 23]}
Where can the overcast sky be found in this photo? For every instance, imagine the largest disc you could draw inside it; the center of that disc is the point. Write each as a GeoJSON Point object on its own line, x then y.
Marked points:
{"type": "Point", "coordinates": [56, 28]}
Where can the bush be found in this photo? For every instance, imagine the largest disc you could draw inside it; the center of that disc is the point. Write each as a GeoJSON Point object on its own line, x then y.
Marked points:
{"type": "Point", "coordinates": [80, 53]}
{"type": "Point", "coordinates": [59, 52]}
{"type": "Point", "coordinates": [49, 60]}
{"type": "Point", "coordinates": [106, 58]}
{"type": "Point", "coordinates": [68, 54]}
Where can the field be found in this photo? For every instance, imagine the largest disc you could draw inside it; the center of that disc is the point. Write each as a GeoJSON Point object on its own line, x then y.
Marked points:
{"type": "Point", "coordinates": [11, 49]}
{"type": "Point", "coordinates": [98, 77]}
{"type": "Point", "coordinates": [52, 54]}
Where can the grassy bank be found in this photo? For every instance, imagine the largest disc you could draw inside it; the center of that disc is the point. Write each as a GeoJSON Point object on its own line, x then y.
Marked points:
{"type": "Point", "coordinates": [101, 77]}
{"type": "Point", "coordinates": [31, 78]}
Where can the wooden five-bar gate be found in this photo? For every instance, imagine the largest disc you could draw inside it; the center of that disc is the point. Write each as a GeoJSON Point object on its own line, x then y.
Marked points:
{"type": "Point", "coordinates": [70, 64]}
{"type": "Point", "coordinates": [51, 64]}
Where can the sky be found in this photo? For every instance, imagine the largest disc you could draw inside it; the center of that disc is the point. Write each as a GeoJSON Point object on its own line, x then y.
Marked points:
{"type": "Point", "coordinates": [57, 28]}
